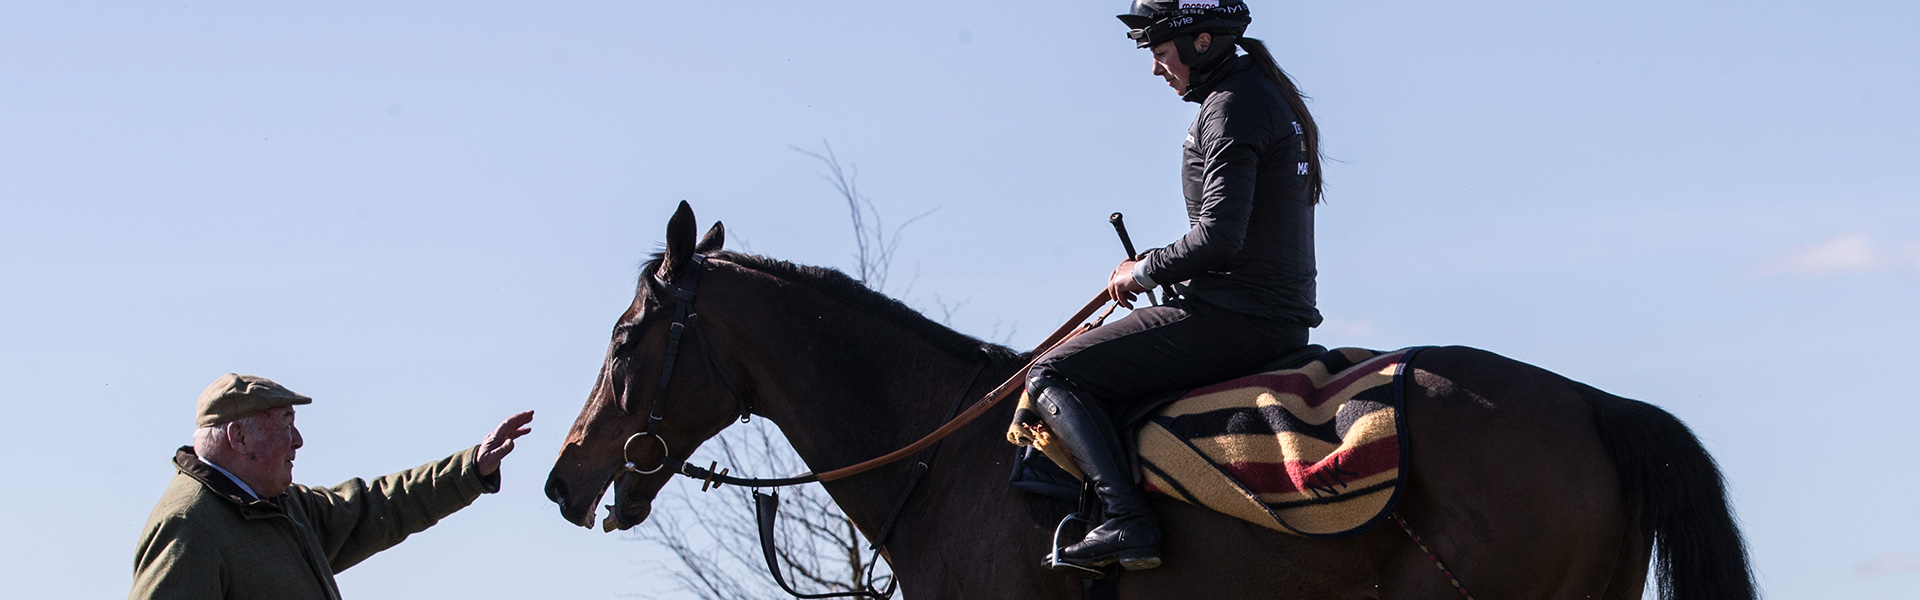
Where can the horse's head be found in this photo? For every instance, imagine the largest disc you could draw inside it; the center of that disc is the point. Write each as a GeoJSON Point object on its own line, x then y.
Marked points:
{"type": "Point", "coordinates": [610, 431]}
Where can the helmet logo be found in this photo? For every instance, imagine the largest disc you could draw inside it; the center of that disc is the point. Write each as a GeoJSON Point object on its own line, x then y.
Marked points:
{"type": "Point", "coordinates": [1158, 20]}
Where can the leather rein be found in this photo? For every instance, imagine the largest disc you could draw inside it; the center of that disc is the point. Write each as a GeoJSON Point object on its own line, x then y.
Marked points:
{"type": "Point", "coordinates": [767, 506]}
{"type": "Point", "coordinates": [685, 319]}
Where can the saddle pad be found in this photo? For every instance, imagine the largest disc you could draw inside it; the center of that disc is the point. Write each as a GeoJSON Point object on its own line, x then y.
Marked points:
{"type": "Point", "coordinates": [1317, 451]}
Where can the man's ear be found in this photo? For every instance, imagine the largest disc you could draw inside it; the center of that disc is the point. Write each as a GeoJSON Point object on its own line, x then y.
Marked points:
{"type": "Point", "coordinates": [1202, 42]}
{"type": "Point", "coordinates": [236, 436]}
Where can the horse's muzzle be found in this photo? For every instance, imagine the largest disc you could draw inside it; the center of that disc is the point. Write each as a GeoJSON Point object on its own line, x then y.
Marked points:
{"type": "Point", "coordinates": [576, 504]}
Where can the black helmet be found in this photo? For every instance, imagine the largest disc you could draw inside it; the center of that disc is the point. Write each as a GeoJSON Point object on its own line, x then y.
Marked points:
{"type": "Point", "coordinates": [1155, 21]}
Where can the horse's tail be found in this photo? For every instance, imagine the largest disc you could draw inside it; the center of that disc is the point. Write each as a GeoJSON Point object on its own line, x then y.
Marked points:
{"type": "Point", "coordinates": [1698, 553]}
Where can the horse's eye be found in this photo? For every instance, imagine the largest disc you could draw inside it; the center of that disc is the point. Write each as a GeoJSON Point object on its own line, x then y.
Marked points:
{"type": "Point", "coordinates": [622, 339]}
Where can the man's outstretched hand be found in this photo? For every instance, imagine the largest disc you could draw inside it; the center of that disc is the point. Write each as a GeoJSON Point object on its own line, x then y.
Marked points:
{"type": "Point", "coordinates": [499, 443]}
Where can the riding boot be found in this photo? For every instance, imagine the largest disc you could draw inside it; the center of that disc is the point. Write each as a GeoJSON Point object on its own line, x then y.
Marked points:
{"type": "Point", "coordinates": [1130, 535]}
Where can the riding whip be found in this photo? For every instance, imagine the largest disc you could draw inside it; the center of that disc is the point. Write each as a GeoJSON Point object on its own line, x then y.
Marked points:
{"type": "Point", "coordinates": [1120, 227]}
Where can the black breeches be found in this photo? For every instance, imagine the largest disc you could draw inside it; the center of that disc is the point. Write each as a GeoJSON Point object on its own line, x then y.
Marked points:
{"type": "Point", "coordinates": [1157, 350]}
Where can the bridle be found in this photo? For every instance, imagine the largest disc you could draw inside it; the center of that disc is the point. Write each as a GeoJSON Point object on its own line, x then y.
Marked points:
{"type": "Point", "coordinates": [684, 319]}
{"type": "Point", "coordinates": [767, 505]}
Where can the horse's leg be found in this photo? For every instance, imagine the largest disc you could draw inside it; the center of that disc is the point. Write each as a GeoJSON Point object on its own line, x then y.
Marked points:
{"type": "Point", "coordinates": [1509, 483]}
{"type": "Point", "coordinates": [964, 539]}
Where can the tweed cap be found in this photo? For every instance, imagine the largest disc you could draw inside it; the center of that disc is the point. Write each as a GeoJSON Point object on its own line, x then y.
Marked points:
{"type": "Point", "coordinates": [235, 396]}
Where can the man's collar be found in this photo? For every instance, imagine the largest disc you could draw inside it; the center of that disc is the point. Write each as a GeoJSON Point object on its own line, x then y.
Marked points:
{"type": "Point", "coordinates": [236, 479]}
{"type": "Point", "coordinates": [218, 481]}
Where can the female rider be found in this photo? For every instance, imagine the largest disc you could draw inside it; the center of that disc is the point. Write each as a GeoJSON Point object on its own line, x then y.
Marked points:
{"type": "Point", "coordinates": [1241, 279]}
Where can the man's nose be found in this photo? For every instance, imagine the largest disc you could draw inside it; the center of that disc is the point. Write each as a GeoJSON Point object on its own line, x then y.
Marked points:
{"type": "Point", "coordinates": [297, 440]}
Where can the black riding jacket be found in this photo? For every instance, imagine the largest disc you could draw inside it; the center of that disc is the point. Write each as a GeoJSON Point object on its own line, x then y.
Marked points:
{"type": "Point", "coordinates": [1244, 173]}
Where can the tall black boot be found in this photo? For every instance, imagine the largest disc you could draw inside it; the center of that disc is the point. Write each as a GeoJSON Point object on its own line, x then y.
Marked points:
{"type": "Point", "coordinates": [1130, 535]}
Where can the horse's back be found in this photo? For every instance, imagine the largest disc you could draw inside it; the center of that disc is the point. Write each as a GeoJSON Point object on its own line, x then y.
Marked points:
{"type": "Point", "coordinates": [1510, 482]}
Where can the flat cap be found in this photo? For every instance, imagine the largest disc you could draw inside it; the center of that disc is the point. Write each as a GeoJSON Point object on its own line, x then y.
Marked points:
{"type": "Point", "coordinates": [235, 396]}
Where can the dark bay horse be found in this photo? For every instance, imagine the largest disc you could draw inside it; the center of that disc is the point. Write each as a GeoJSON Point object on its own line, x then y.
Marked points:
{"type": "Point", "coordinates": [1528, 485]}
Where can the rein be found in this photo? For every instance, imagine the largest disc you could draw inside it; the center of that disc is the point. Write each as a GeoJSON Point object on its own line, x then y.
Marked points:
{"type": "Point", "coordinates": [684, 319]}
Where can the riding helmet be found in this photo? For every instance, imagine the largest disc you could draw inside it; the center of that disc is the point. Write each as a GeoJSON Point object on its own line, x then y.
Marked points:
{"type": "Point", "coordinates": [1155, 21]}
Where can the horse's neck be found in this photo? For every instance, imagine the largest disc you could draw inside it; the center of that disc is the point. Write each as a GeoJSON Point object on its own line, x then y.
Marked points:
{"type": "Point", "coordinates": [839, 409]}
{"type": "Point", "coordinates": [966, 480]}
{"type": "Point", "coordinates": [858, 389]}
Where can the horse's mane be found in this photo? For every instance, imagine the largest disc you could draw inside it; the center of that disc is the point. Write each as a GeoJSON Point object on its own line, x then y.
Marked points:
{"type": "Point", "coordinates": [832, 282]}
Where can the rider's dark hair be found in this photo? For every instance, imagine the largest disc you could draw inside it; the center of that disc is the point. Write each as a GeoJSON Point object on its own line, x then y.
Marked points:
{"type": "Point", "coordinates": [1290, 92]}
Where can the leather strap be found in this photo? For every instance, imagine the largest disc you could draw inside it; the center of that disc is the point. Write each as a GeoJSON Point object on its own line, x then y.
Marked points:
{"type": "Point", "coordinates": [767, 509]}
{"type": "Point", "coordinates": [1017, 381]}
{"type": "Point", "coordinates": [1066, 331]}
{"type": "Point", "coordinates": [920, 468]}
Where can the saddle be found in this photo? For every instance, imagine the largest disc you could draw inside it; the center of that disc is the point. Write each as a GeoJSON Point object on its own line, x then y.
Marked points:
{"type": "Point", "coordinates": [1312, 444]}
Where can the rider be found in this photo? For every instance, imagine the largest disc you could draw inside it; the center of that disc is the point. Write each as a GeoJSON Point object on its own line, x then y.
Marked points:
{"type": "Point", "coordinates": [1243, 274]}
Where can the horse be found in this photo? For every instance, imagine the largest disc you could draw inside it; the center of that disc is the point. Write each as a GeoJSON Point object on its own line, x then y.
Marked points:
{"type": "Point", "coordinates": [1525, 483]}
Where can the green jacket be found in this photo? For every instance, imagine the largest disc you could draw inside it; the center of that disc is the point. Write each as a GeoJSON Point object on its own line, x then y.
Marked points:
{"type": "Point", "coordinates": [209, 539]}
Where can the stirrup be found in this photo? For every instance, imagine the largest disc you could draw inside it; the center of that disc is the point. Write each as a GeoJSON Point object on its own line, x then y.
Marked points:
{"type": "Point", "coordinates": [1072, 529]}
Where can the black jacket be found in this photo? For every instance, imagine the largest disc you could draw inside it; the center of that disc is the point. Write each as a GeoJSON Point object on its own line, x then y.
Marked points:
{"type": "Point", "coordinates": [1250, 249]}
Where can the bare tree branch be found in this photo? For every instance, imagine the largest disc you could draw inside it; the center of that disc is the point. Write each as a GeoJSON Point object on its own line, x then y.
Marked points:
{"type": "Point", "coordinates": [947, 310]}
{"type": "Point", "coordinates": [873, 243]}
{"type": "Point", "coordinates": [716, 541]}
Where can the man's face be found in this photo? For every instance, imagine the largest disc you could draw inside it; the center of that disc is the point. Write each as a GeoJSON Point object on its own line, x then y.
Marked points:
{"type": "Point", "coordinates": [1166, 64]}
{"type": "Point", "coordinates": [271, 440]}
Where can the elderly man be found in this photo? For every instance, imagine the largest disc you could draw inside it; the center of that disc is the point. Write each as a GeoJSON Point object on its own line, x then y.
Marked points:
{"type": "Point", "coordinates": [233, 525]}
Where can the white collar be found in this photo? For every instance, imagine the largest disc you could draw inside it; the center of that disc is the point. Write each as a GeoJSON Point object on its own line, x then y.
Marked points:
{"type": "Point", "coordinates": [236, 480]}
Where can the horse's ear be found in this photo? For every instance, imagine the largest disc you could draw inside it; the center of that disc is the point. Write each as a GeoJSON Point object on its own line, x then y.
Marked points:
{"type": "Point", "coordinates": [679, 241]}
{"type": "Point", "coordinates": [713, 240]}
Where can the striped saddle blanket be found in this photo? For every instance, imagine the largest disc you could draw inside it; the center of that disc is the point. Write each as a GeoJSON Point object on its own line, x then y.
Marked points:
{"type": "Point", "coordinates": [1318, 451]}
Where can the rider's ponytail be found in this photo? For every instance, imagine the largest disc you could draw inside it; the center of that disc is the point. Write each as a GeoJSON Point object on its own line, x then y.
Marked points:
{"type": "Point", "coordinates": [1290, 92]}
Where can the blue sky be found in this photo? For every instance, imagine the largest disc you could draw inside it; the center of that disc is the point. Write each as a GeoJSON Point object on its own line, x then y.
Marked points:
{"type": "Point", "coordinates": [427, 217]}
